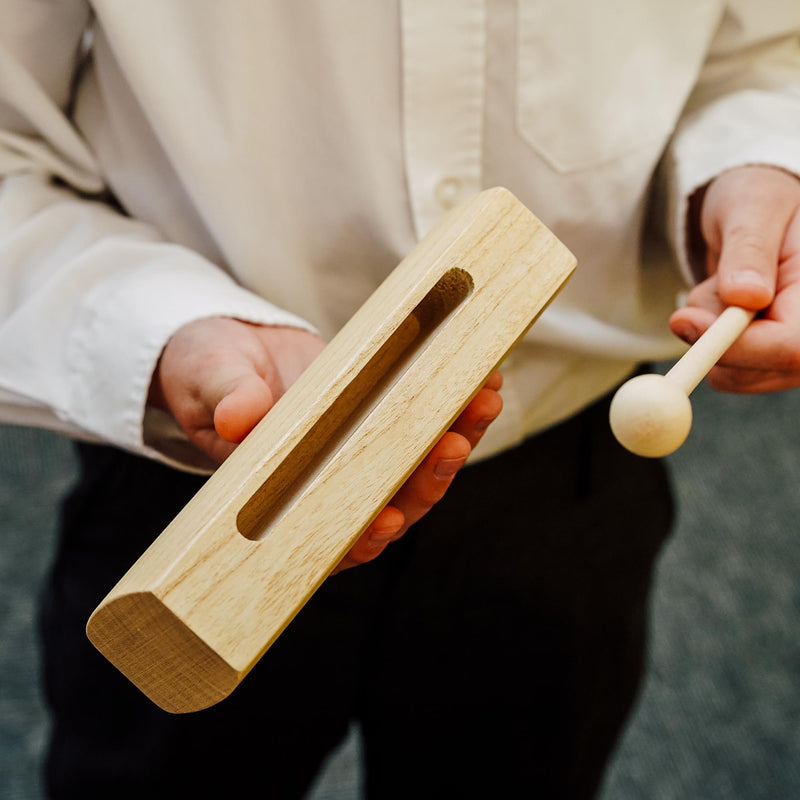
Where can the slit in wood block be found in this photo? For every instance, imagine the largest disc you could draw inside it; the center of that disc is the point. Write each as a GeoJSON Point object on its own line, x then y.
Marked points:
{"type": "Point", "coordinates": [285, 485]}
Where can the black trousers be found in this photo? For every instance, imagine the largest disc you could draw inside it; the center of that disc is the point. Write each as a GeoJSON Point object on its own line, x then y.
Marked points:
{"type": "Point", "coordinates": [494, 652]}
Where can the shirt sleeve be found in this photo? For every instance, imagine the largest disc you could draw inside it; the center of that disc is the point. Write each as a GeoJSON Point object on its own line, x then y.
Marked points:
{"type": "Point", "coordinates": [745, 109]}
{"type": "Point", "coordinates": [88, 296]}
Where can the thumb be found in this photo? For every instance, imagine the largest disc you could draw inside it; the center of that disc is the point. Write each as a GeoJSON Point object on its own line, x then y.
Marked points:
{"type": "Point", "coordinates": [748, 261]}
{"type": "Point", "coordinates": [243, 399]}
{"type": "Point", "coordinates": [745, 216]}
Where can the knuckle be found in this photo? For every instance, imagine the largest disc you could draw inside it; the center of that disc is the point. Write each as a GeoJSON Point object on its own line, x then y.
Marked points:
{"type": "Point", "coordinates": [745, 239]}
{"type": "Point", "coordinates": [431, 495]}
{"type": "Point", "coordinates": [732, 378]}
{"type": "Point", "coordinates": [719, 380]}
{"type": "Point", "coordinates": [788, 358]}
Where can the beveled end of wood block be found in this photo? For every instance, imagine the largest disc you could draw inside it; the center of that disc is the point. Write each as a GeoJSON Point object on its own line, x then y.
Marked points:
{"type": "Point", "coordinates": [160, 654]}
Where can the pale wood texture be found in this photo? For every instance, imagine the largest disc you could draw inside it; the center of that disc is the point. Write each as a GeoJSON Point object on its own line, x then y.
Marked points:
{"type": "Point", "coordinates": [206, 600]}
{"type": "Point", "coordinates": [651, 415]}
{"type": "Point", "coordinates": [698, 360]}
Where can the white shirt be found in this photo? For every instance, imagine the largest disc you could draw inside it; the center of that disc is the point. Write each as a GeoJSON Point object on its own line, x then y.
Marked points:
{"type": "Point", "coordinates": [275, 160]}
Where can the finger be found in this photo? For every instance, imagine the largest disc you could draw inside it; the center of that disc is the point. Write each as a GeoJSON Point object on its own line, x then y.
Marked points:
{"type": "Point", "coordinates": [423, 489]}
{"type": "Point", "coordinates": [691, 322]}
{"type": "Point", "coordinates": [703, 306]}
{"type": "Point", "coordinates": [765, 358]}
{"type": "Point", "coordinates": [495, 381]}
{"type": "Point", "coordinates": [429, 482]}
{"type": "Point", "coordinates": [431, 479]}
{"type": "Point", "coordinates": [474, 420]}
{"type": "Point", "coordinates": [766, 344]}
{"type": "Point", "coordinates": [385, 528]}
{"type": "Point", "coordinates": [739, 380]}
{"type": "Point", "coordinates": [771, 342]}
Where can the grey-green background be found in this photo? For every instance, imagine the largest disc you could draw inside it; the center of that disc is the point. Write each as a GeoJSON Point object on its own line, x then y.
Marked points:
{"type": "Point", "coordinates": [719, 716]}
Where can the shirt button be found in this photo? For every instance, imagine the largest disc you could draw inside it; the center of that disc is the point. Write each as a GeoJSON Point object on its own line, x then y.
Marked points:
{"type": "Point", "coordinates": [448, 192]}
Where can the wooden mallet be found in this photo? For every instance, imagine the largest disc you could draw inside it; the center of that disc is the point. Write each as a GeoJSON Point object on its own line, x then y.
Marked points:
{"type": "Point", "coordinates": [209, 596]}
{"type": "Point", "coordinates": [651, 415]}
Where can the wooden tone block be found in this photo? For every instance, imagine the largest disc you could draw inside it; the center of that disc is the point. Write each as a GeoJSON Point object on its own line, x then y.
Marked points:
{"type": "Point", "coordinates": [211, 594]}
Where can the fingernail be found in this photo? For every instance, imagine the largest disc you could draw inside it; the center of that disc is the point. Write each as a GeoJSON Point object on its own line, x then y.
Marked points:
{"type": "Point", "coordinates": [447, 467]}
{"type": "Point", "coordinates": [749, 277]}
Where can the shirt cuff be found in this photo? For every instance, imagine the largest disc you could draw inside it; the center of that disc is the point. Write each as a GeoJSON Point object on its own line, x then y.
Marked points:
{"type": "Point", "coordinates": [127, 322]}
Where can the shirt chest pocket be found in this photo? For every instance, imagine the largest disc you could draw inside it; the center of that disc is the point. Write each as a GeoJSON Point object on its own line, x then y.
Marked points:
{"type": "Point", "coordinates": [599, 80]}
